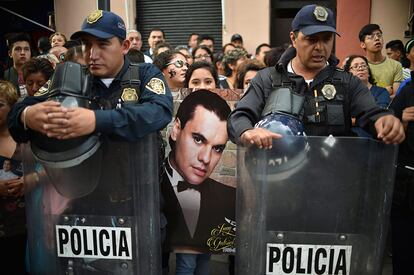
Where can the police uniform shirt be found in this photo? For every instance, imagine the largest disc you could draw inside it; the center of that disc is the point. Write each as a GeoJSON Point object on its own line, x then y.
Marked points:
{"type": "Point", "coordinates": [149, 112]}
{"type": "Point", "coordinates": [249, 109]}
{"type": "Point", "coordinates": [403, 100]}
{"type": "Point", "coordinates": [290, 70]}
{"type": "Point", "coordinates": [153, 111]}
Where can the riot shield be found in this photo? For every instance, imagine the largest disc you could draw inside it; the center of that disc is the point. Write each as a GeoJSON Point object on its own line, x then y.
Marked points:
{"type": "Point", "coordinates": [314, 205]}
{"type": "Point", "coordinates": [99, 217]}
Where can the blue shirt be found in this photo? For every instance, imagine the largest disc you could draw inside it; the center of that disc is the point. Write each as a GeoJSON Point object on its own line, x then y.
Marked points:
{"type": "Point", "coordinates": [381, 95]}
{"type": "Point", "coordinates": [152, 111]}
{"type": "Point", "coordinates": [403, 84]}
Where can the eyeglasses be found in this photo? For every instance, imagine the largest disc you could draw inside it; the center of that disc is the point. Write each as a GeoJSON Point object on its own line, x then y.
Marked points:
{"type": "Point", "coordinates": [178, 64]}
{"type": "Point", "coordinates": [372, 36]}
{"type": "Point", "coordinates": [204, 56]}
{"type": "Point", "coordinates": [356, 67]}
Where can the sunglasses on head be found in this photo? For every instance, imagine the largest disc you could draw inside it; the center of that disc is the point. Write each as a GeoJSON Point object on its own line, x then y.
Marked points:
{"type": "Point", "coordinates": [178, 63]}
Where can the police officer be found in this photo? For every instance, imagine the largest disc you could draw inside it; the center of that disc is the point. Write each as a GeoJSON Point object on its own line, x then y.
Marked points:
{"type": "Point", "coordinates": [132, 101]}
{"type": "Point", "coordinates": [103, 34]}
{"type": "Point", "coordinates": [307, 84]}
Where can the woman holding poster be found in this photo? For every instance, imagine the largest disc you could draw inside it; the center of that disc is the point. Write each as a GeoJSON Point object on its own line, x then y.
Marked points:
{"type": "Point", "coordinates": [12, 211]}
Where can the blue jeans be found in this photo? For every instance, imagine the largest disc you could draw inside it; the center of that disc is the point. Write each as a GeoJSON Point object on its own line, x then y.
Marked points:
{"type": "Point", "coordinates": [192, 264]}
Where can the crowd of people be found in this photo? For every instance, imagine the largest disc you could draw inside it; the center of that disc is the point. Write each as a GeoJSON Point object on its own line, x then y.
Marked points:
{"type": "Point", "coordinates": [30, 71]}
{"type": "Point", "coordinates": [201, 64]}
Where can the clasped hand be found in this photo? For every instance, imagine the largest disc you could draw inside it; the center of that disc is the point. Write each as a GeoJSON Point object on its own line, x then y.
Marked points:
{"type": "Point", "coordinates": [12, 187]}
{"type": "Point", "coordinates": [56, 121]}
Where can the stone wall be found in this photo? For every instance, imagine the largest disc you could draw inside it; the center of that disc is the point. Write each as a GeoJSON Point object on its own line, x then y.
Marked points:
{"type": "Point", "coordinates": [225, 171]}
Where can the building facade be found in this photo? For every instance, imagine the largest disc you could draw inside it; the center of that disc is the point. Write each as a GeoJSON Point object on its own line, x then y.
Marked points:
{"type": "Point", "coordinates": [260, 21]}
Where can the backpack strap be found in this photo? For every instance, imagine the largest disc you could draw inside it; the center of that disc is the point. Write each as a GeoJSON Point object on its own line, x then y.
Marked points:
{"type": "Point", "coordinates": [279, 79]}
{"type": "Point", "coordinates": [131, 78]}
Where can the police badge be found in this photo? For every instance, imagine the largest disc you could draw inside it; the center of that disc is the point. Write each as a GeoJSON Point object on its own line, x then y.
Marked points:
{"type": "Point", "coordinates": [328, 91]}
{"type": "Point", "coordinates": [94, 16]}
{"type": "Point", "coordinates": [321, 14]}
{"type": "Point", "coordinates": [129, 95]}
{"type": "Point", "coordinates": [156, 85]}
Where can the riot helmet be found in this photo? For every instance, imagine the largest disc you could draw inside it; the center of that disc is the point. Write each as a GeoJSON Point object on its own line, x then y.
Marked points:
{"type": "Point", "coordinates": [287, 155]}
{"type": "Point", "coordinates": [65, 160]}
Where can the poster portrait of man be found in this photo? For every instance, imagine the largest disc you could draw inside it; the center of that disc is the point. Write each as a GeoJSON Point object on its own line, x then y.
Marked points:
{"type": "Point", "coordinates": [200, 211]}
{"type": "Point", "coordinates": [6, 173]}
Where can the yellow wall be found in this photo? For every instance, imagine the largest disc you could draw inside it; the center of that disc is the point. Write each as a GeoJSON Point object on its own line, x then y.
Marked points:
{"type": "Point", "coordinates": [69, 15]}
{"type": "Point", "coordinates": [392, 16]}
{"type": "Point", "coordinates": [127, 10]}
{"type": "Point", "coordinates": [249, 18]}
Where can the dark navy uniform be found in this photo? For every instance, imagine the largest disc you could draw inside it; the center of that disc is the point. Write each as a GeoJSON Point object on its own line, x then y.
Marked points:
{"type": "Point", "coordinates": [323, 113]}
{"type": "Point", "coordinates": [125, 120]}
{"type": "Point", "coordinates": [402, 212]}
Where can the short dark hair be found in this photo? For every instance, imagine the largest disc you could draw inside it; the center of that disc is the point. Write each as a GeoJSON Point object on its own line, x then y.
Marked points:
{"type": "Point", "coordinates": [73, 54]}
{"type": "Point", "coordinates": [136, 56]}
{"type": "Point", "coordinates": [35, 65]}
{"type": "Point", "coordinates": [191, 34]}
{"type": "Point", "coordinates": [272, 57]}
{"type": "Point", "coordinates": [204, 48]}
{"type": "Point", "coordinates": [260, 47]}
{"type": "Point", "coordinates": [367, 30]}
{"type": "Point", "coordinates": [202, 37]}
{"type": "Point", "coordinates": [223, 49]}
{"type": "Point", "coordinates": [201, 65]}
{"type": "Point", "coordinates": [164, 58]}
{"type": "Point", "coordinates": [243, 68]}
{"type": "Point", "coordinates": [395, 45]}
{"type": "Point", "coordinates": [348, 62]}
{"type": "Point", "coordinates": [72, 43]}
{"type": "Point", "coordinates": [43, 44]}
{"type": "Point", "coordinates": [204, 98]}
{"type": "Point", "coordinates": [157, 30]}
{"type": "Point", "coordinates": [161, 45]}
{"type": "Point", "coordinates": [16, 37]}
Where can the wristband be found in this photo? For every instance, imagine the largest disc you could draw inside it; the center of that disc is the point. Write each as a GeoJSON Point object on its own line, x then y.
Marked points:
{"type": "Point", "coordinates": [24, 117]}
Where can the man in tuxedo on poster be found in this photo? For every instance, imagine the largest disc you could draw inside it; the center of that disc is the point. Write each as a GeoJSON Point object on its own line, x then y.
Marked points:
{"type": "Point", "coordinates": [197, 206]}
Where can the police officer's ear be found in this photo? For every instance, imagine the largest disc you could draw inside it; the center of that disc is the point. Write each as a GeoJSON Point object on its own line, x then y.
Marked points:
{"type": "Point", "coordinates": [176, 129]}
{"type": "Point", "coordinates": [125, 46]}
{"type": "Point", "coordinates": [293, 37]}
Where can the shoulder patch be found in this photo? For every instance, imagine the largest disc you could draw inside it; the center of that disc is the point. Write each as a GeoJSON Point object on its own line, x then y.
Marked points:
{"type": "Point", "coordinates": [43, 90]}
{"type": "Point", "coordinates": [156, 85]}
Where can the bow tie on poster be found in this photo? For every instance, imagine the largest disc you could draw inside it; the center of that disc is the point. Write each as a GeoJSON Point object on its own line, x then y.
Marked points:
{"type": "Point", "coordinates": [183, 185]}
